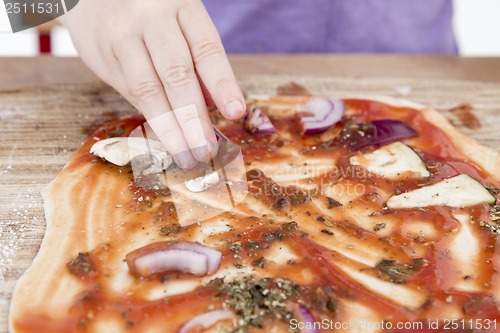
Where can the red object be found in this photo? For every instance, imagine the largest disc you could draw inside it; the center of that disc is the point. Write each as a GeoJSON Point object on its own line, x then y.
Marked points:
{"type": "Point", "coordinates": [44, 42]}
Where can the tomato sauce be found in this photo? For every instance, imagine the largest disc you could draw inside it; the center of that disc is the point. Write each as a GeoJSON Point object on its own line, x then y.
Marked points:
{"type": "Point", "coordinates": [258, 234]}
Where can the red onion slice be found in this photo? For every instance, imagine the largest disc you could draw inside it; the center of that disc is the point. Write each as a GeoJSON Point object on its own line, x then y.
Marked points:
{"type": "Point", "coordinates": [380, 132]}
{"type": "Point", "coordinates": [162, 257]}
{"type": "Point", "coordinates": [319, 114]}
{"type": "Point", "coordinates": [171, 260]}
{"type": "Point", "coordinates": [219, 135]}
{"type": "Point", "coordinates": [307, 319]}
{"type": "Point", "coordinates": [214, 257]}
{"type": "Point", "coordinates": [206, 320]}
{"type": "Point", "coordinates": [257, 122]}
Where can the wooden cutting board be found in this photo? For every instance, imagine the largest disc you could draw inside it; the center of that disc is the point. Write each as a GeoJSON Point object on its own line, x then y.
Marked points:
{"type": "Point", "coordinates": [40, 128]}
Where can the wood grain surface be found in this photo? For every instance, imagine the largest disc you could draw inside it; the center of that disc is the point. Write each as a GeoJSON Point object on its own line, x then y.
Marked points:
{"type": "Point", "coordinates": [44, 70]}
{"type": "Point", "coordinates": [42, 127]}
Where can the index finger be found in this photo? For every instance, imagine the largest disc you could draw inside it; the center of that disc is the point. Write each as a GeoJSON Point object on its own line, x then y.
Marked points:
{"type": "Point", "coordinates": [210, 59]}
{"type": "Point", "coordinates": [147, 90]}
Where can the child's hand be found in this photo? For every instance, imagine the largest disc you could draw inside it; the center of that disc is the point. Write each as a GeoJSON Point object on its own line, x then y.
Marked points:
{"type": "Point", "coordinates": [160, 54]}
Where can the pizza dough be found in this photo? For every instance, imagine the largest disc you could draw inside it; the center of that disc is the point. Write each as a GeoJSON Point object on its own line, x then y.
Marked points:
{"type": "Point", "coordinates": [313, 239]}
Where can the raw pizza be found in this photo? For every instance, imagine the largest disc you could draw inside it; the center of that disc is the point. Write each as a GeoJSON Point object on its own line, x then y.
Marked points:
{"type": "Point", "coordinates": [361, 215]}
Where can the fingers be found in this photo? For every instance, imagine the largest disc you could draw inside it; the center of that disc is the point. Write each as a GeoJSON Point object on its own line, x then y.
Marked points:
{"type": "Point", "coordinates": [147, 91]}
{"type": "Point", "coordinates": [173, 64]}
{"type": "Point", "coordinates": [210, 59]}
{"type": "Point", "coordinates": [206, 94]}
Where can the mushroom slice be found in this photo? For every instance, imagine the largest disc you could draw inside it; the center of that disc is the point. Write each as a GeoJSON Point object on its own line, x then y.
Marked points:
{"type": "Point", "coordinates": [145, 165]}
{"type": "Point", "coordinates": [122, 150]}
{"type": "Point", "coordinates": [200, 184]}
{"type": "Point", "coordinates": [459, 191]}
{"type": "Point", "coordinates": [394, 161]}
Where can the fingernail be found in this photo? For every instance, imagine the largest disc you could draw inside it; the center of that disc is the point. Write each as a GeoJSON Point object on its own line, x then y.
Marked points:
{"type": "Point", "coordinates": [234, 108]}
{"type": "Point", "coordinates": [184, 160]}
{"type": "Point", "coordinates": [204, 153]}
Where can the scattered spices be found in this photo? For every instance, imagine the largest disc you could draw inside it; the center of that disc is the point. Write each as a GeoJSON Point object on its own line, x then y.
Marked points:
{"type": "Point", "coordinates": [169, 230]}
{"type": "Point", "coordinates": [494, 226]}
{"type": "Point", "coordinates": [252, 245]}
{"type": "Point", "coordinates": [494, 210]}
{"type": "Point", "coordinates": [275, 196]}
{"type": "Point", "coordinates": [324, 220]}
{"type": "Point", "coordinates": [166, 213]}
{"type": "Point", "coordinates": [354, 135]}
{"type": "Point", "coordinates": [81, 265]}
{"type": "Point", "coordinates": [254, 299]}
{"type": "Point", "coordinates": [83, 323]}
{"type": "Point", "coordinates": [471, 306]}
{"type": "Point", "coordinates": [235, 247]}
{"type": "Point", "coordinates": [492, 189]}
{"type": "Point", "coordinates": [280, 203]}
{"type": "Point", "coordinates": [286, 230]}
{"type": "Point", "coordinates": [260, 262]}
{"type": "Point", "coordinates": [495, 213]}
{"type": "Point", "coordinates": [332, 203]}
{"type": "Point", "coordinates": [395, 272]}
{"type": "Point", "coordinates": [327, 144]}
{"type": "Point", "coordinates": [328, 232]}
{"type": "Point", "coordinates": [86, 296]}
{"type": "Point", "coordinates": [328, 223]}
{"type": "Point", "coordinates": [379, 226]}
{"type": "Point", "coordinates": [114, 133]}
{"type": "Point", "coordinates": [321, 298]}
{"type": "Point", "coordinates": [297, 197]}
{"type": "Point", "coordinates": [420, 238]}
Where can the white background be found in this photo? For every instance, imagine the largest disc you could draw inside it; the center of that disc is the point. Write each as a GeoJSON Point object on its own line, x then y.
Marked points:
{"type": "Point", "coordinates": [477, 26]}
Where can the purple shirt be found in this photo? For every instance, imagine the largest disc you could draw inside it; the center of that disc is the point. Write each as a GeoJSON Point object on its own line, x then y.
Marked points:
{"type": "Point", "coordinates": [405, 26]}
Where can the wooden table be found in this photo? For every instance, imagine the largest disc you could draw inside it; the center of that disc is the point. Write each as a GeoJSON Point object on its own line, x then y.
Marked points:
{"type": "Point", "coordinates": [21, 72]}
{"type": "Point", "coordinates": [40, 128]}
